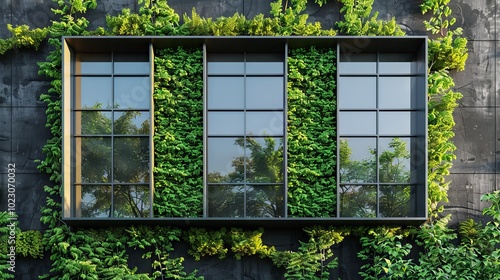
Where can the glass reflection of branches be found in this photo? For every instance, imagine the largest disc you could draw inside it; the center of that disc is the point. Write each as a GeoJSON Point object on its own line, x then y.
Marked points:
{"type": "Point", "coordinates": [364, 178]}
{"type": "Point", "coordinates": [254, 180]}
{"type": "Point", "coordinates": [122, 159]}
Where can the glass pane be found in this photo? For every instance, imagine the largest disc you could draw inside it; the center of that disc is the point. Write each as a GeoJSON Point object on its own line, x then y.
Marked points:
{"type": "Point", "coordinates": [226, 123]}
{"type": "Point", "coordinates": [264, 123]}
{"type": "Point", "coordinates": [131, 201]}
{"type": "Point", "coordinates": [264, 68]}
{"type": "Point", "coordinates": [358, 163]}
{"type": "Point", "coordinates": [394, 160]}
{"type": "Point", "coordinates": [357, 123]}
{"type": "Point", "coordinates": [131, 159]}
{"type": "Point", "coordinates": [397, 201]}
{"type": "Point", "coordinates": [132, 93]}
{"type": "Point", "coordinates": [93, 92]}
{"type": "Point", "coordinates": [352, 63]}
{"type": "Point", "coordinates": [358, 201]}
{"type": "Point", "coordinates": [264, 93]}
{"type": "Point", "coordinates": [95, 201]}
{"type": "Point", "coordinates": [131, 122]}
{"type": "Point", "coordinates": [137, 68]}
{"type": "Point", "coordinates": [357, 93]}
{"type": "Point", "coordinates": [395, 123]}
{"type": "Point", "coordinates": [395, 92]}
{"type": "Point", "coordinates": [93, 63]}
{"type": "Point", "coordinates": [131, 63]}
{"type": "Point", "coordinates": [225, 64]}
{"type": "Point", "coordinates": [226, 201]}
{"type": "Point", "coordinates": [225, 159]}
{"type": "Point", "coordinates": [94, 159]}
{"type": "Point", "coordinates": [264, 160]}
{"type": "Point", "coordinates": [265, 63]}
{"type": "Point", "coordinates": [226, 93]}
{"type": "Point", "coordinates": [265, 201]}
{"type": "Point", "coordinates": [396, 63]}
{"type": "Point", "coordinates": [92, 122]}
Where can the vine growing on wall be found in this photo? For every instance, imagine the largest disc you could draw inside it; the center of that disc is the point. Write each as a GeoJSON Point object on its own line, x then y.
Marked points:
{"type": "Point", "coordinates": [311, 133]}
{"type": "Point", "coordinates": [178, 133]}
{"type": "Point", "coordinates": [102, 254]}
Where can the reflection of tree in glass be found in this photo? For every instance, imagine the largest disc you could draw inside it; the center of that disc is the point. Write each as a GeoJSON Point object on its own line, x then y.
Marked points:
{"type": "Point", "coordinates": [358, 198]}
{"type": "Point", "coordinates": [262, 164]}
{"type": "Point", "coordinates": [130, 164]}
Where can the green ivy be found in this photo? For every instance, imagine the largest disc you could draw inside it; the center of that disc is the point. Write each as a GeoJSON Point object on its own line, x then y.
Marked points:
{"type": "Point", "coordinates": [358, 20]}
{"type": "Point", "coordinates": [314, 258]}
{"type": "Point", "coordinates": [178, 133]}
{"type": "Point", "coordinates": [311, 133]}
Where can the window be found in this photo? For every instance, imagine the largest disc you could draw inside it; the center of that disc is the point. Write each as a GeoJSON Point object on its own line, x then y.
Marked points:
{"type": "Point", "coordinates": [111, 135]}
{"type": "Point", "coordinates": [245, 135]}
{"type": "Point", "coordinates": [378, 112]}
{"type": "Point", "coordinates": [380, 109]}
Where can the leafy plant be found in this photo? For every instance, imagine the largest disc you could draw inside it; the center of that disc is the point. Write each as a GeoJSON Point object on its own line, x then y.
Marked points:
{"type": "Point", "coordinates": [311, 133]}
{"type": "Point", "coordinates": [206, 243]}
{"type": "Point", "coordinates": [314, 259]}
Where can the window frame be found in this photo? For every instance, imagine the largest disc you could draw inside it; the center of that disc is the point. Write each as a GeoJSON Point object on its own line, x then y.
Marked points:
{"type": "Point", "coordinates": [73, 44]}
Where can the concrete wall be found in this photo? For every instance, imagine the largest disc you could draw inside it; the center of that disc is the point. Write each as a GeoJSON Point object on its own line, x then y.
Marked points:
{"type": "Point", "coordinates": [23, 132]}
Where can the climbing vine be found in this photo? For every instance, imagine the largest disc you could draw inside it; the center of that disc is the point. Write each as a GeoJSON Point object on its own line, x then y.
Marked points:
{"type": "Point", "coordinates": [311, 133]}
{"type": "Point", "coordinates": [102, 253]}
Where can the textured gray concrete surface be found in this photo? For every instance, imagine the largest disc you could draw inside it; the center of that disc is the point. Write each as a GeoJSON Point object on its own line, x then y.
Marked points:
{"type": "Point", "coordinates": [23, 132]}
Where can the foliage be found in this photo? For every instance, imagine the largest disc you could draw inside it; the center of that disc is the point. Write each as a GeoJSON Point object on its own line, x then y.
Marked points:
{"type": "Point", "coordinates": [22, 36]}
{"type": "Point", "coordinates": [311, 133]}
{"type": "Point", "coordinates": [30, 243]}
{"type": "Point", "coordinates": [387, 254]}
{"type": "Point", "coordinates": [314, 258]}
{"type": "Point", "coordinates": [448, 51]}
{"type": "Point", "coordinates": [248, 243]}
{"type": "Point", "coordinates": [357, 20]}
{"type": "Point", "coordinates": [178, 135]}
{"type": "Point", "coordinates": [157, 242]}
{"type": "Point", "coordinates": [206, 243]}
{"type": "Point", "coordinates": [155, 17]}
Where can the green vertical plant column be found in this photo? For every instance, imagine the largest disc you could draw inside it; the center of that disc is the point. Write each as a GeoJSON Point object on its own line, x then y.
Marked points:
{"type": "Point", "coordinates": [311, 133]}
{"type": "Point", "coordinates": [178, 133]}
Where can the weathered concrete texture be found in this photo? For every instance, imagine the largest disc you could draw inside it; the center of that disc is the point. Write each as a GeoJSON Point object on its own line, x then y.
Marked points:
{"type": "Point", "coordinates": [35, 13]}
{"type": "Point", "coordinates": [407, 14]}
{"type": "Point", "coordinates": [477, 82]}
{"type": "Point", "coordinates": [29, 134]}
{"type": "Point", "coordinates": [477, 18]}
{"type": "Point", "coordinates": [5, 140]}
{"type": "Point", "coordinates": [475, 140]}
{"type": "Point", "coordinates": [465, 196]}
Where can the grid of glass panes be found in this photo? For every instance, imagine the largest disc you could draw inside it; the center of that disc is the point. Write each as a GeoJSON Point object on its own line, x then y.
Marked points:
{"type": "Point", "coordinates": [111, 134]}
{"type": "Point", "coordinates": [377, 123]}
{"type": "Point", "coordinates": [245, 135]}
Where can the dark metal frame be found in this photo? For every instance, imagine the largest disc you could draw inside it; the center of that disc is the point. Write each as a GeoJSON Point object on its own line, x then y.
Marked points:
{"type": "Point", "coordinates": [416, 45]}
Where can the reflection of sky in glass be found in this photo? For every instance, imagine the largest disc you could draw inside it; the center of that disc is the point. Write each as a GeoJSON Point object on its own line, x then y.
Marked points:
{"type": "Point", "coordinates": [264, 123]}
{"type": "Point", "coordinates": [95, 92]}
{"type": "Point", "coordinates": [264, 68]}
{"type": "Point", "coordinates": [357, 123]}
{"type": "Point", "coordinates": [395, 92]}
{"type": "Point", "coordinates": [132, 92]}
{"type": "Point", "coordinates": [225, 93]}
{"type": "Point", "coordinates": [225, 123]}
{"type": "Point", "coordinates": [357, 92]}
{"type": "Point", "coordinates": [395, 123]}
{"type": "Point", "coordinates": [225, 68]}
{"type": "Point", "coordinates": [360, 148]}
{"type": "Point", "coordinates": [221, 153]}
{"type": "Point", "coordinates": [131, 68]}
{"type": "Point", "coordinates": [264, 93]}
